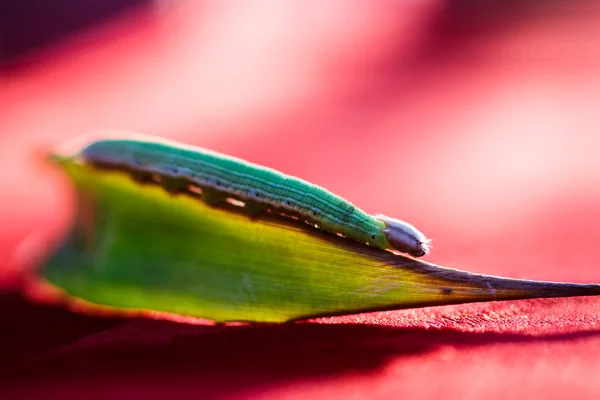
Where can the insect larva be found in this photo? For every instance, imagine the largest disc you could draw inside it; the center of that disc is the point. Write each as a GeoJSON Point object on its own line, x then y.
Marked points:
{"type": "Point", "coordinates": [220, 177]}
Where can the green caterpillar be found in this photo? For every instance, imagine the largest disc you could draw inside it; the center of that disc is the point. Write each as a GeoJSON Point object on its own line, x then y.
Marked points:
{"type": "Point", "coordinates": [179, 167]}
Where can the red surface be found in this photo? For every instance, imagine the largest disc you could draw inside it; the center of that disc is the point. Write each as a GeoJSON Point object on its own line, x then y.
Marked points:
{"type": "Point", "coordinates": [479, 125]}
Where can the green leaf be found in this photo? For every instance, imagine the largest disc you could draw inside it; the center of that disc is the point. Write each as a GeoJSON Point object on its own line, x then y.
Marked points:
{"type": "Point", "coordinates": [137, 247]}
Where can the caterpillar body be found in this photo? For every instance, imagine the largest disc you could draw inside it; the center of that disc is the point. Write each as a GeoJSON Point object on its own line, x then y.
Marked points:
{"type": "Point", "coordinates": [219, 176]}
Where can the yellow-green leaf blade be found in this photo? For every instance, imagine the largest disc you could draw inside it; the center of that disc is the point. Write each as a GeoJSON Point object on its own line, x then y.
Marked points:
{"type": "Point", "coordinates": [137, 247]}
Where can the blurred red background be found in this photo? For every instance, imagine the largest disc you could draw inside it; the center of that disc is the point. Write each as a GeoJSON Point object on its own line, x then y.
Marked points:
{"type": "Point", "coordinates": [476, 121]}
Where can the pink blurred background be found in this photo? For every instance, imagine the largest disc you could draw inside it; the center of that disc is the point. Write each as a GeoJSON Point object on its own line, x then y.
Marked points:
{"type": "Point", "coordinates": [476, 121]}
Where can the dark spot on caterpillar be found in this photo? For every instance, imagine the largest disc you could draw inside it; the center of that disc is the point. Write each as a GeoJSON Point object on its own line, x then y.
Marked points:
{"type": "Point", "coordinates": [446, 290]}
{"type": "Point", "coordinates": [141, 177]}
{"type": "Point", "coordinates": [218, 183]}
{"type": "Point", "coordinates": [373, 237]}
{"type": "Point", "coordinates": [173, 185]}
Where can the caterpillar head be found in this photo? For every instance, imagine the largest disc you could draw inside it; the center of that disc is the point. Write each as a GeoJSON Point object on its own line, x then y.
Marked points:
{"type": "Point", "coordinates": [404, 237]}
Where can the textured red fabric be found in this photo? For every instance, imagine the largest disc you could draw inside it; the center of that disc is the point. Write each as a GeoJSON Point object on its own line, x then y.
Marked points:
{"type": "Point", "coordinates": [478, 123]}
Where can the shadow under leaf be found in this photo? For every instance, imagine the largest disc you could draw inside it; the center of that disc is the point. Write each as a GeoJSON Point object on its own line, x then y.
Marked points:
{"type": "Point", "coordinates": [227, 359]}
